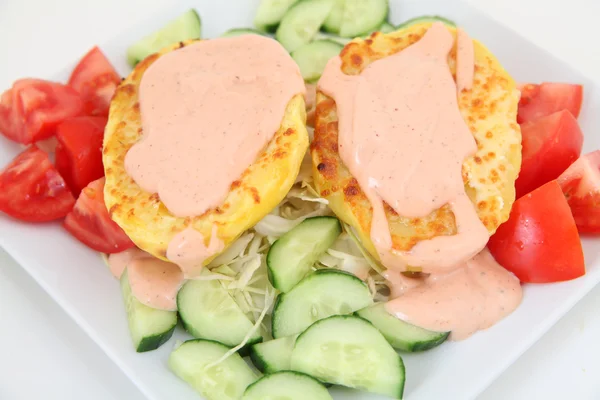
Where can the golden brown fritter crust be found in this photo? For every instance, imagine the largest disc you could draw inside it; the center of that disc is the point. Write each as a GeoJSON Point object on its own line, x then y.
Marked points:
{"type": "Point", "coordinates": [490, 111]}
{"type": "Point", "coordinates": [144, 217]}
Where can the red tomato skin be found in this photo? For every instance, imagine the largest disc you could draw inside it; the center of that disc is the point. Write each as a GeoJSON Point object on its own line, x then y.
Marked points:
{"type": "Point", "coordinates": [539, 243]}
{"type": "Point", "coordinates": [538, 101]}
{"type": "Point", "coordinates": [96, 80]}
{"type": "Point", "coordinates": [32, 108]}
{"type": "Point", "coordinates": [8, 116]}
{"type": "Point", "coordinates": [561, 144]}
{"type": "Point", "coordinates": [32, 190]}
{"type": "Point", "coordinates": [90, 222]}
{"type": "Point", "coordinates": [79, 151]}
{"type": "Point", "coordinates": [581, 185]}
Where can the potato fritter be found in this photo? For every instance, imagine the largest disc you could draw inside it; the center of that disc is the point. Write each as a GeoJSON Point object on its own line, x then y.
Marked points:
{"type": "Point", "coordinates": [489, 110]}
{"type": "Point", "coordinates": [142, 215]}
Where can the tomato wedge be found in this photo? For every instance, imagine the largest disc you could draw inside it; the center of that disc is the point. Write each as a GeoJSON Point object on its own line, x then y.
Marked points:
{"type": "Point", "coordinates": [32, 108]}
{"type": "Point", "coordinates": [32, 190]}
{"type": "Point", "coordinates": [550, 145]}
{"type": "Point", "coordinates": [539, 243]}
{"type": "Point", "coordinates": [528, 92]}
{"type": "Point", "coordinates": [538, 101]}
{"type": "Point", "coordinates": [90, 223]}
{"type": "Point", "coordinates": [9, 120]}
{"type": "Point", "coordinates": [581, 185]}
{"type": "Point", "coordinates": [96, 80]}
{"type": "Point", "coordinates": [79, 151]}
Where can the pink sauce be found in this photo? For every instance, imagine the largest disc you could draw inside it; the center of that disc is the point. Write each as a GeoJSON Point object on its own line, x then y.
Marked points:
{"type": "Point", "coordinates": [310, 96]}
{"type": "Point", "coordinates": [207, 110]}
{"type": "Point", "coordinates": [465, 60]}
{"type": "Point", "coordinates": [188, 249]}
{"type": "Point", "coordinates": [462, 301]}
{"type": "Point", "coordinates": [155, 282]}
{"type": "Point", "coordinates": [404, 140]}
{"type": "Point", "coordinates": [117, 262]}
{"type": "Point", "coordinates": [399, 283]}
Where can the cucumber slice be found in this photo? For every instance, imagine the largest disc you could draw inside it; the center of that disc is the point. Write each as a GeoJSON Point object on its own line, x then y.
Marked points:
{"type": "Point", "coordinates": [334, 20]}
{"type": "Point", "coordinates": [149, 327]}
{"type": "Point", "coordinates": [225, 381]}
{"type": "Point", "coordinates": [209, 312]}
{"type": "Point", "coordinates": [293, 254]}
{"type": "Point", "coordinates": [425, 18]}
{"type": "Point", "coordinates": [269, 14]}
{"type": "Point", "coordinates": [324, 293]}
{"type": "Point", "coordinates": [186, 26]}
{"type": "Point", "coordinates": [401, 335]}
{"type": "Point", "coordinates": [274, 355]}
{"type": "Point", "coordinates": [287, 385]}
{"type": "Point", "coordinates": [386, 28]}
{"type": "Point", "coordinates": [363, 16]}
{"type": "Point", "coordinates": [242, 31]}
{"type": "Point", "coordinates": [333, 38]}
{"type": "Point", "coordinates": [349, 351]}
{"type": "Point", "coordinates": [300, 24]}
{"type": "Point", "coordinates": [312, 58]}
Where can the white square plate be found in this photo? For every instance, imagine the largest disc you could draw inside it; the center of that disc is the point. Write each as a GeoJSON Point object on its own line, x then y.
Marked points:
{"type": "Point", "coordinates": [78, 280]}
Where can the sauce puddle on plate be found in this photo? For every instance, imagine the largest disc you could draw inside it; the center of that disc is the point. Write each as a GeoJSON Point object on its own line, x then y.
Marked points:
{"type": "Point", "coordinates": [153, 282]}
{"type": "Point", "coordinates": [403, 138]}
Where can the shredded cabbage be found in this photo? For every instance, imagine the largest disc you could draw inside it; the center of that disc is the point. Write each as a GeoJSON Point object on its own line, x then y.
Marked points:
{"type": "Point", "coordinates": [242, 268]}
{"type": "Point", "coordinates": [246, 272]}
{"type": "Point", "coordinates": [275, 225]}
{"type": "Point", "coordinates": [345, 255]}
{"type": "Point", "coordinates": [234, 250]}
{"type": "Point", "coordinates": [376, 265]}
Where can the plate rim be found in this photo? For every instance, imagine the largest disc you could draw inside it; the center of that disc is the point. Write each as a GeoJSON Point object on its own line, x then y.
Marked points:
{"type": "Point", "coordinates": [522, 346]}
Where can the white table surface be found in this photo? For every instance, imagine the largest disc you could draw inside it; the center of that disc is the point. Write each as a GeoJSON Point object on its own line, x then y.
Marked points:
{"type": "Point", "coordinates": [44, 354]}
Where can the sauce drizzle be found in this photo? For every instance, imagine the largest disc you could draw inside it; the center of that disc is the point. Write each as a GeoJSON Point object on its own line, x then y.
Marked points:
{"type": "Point", "coordinates": [117, 262]}
{"type": "Point", "coordinates": [404, 140]}
{"type": "Point", "coordinates": [470, 298]}
{"type": "Point", "coordinates": [155, 282]}
{"type": "Point", "coordinates": [188, 250]}
{"type": "Point", "coordinates": [465, 60]}
{"type": "Point", "coordinates": [207, 111]}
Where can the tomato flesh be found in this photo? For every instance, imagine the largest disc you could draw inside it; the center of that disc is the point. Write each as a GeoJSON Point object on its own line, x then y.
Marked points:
{"type": "Point", "coordinates": [32, 190]}
{"type": "Point", "coordinates": [96, 80]}
{"type": "Point", "coordinates": [538, 101]}
{"type": "Point", "coordinates": [550, 145]}
{"type": "Point", "coordinates": [539, 243]}
{"type": "Point", "coordinates": [9, 120]}
{"type": "Point", "coordinates": [528, 93]}
{"type": "Point", "coordinates": [581, 185]}
{"type": "Point", "coordinates": [79, 151]}
{"type": "Point", "coordinates": [90, 223]}
{"type": "Point", "coordinates": [32, 108]}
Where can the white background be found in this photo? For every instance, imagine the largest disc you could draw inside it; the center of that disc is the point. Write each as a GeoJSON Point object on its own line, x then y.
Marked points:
{"type": "Point", "coordinates": [43, 354]}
